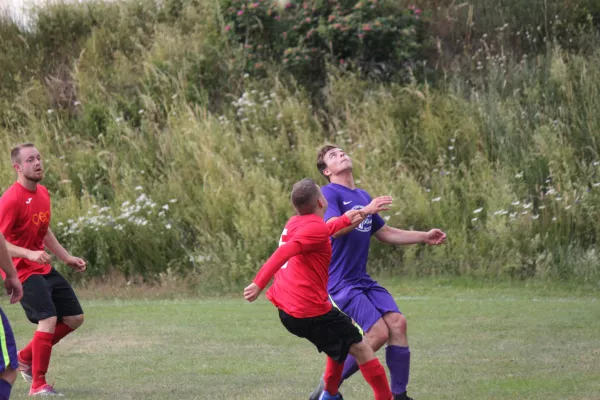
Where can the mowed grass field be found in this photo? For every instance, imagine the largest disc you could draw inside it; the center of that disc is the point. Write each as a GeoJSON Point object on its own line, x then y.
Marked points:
{"type": "Point", "coordinates": [469, 341]}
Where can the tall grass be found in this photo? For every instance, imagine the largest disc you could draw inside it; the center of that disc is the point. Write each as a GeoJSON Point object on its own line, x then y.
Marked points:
{"type": "Point", "coordinates": [163, 158]}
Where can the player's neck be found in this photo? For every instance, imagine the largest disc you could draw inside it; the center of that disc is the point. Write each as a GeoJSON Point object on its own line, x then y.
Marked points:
{"type": "Point", "coordinates": [27, 184]}
{"type": "Point", "coordinates": [344, 179]}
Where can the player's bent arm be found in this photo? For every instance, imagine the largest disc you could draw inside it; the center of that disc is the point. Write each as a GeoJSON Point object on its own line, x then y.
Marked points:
{"type": "Point", "coordinates": [389, 235]}
{"type": "Point", "coordinates": [340, 226]}
{"type": "Point", "coordinates": [16, 251]}
{"type": "Point", "coordinates": [337, 224]}
{"type": "Point", "coordinates": [345, 231]}
{"type": "Point", "coordinates": [276, 261]}
{"type": "Point", "coordinates": [6, 263]}
{"type": "Point", "coordinates": [51, 242]}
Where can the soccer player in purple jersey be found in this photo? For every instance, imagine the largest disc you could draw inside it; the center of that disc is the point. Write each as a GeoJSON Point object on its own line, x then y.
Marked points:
{"type": "Point", "coordinates": [8, 361]}
{"type": "Point", "coordinates": [350, 287]}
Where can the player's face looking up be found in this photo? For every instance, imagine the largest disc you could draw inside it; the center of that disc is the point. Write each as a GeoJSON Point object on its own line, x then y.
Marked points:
{"type": "Point", "coordinates": [29, 163]}
{"type": "Point", "coordinates": [337, 161]}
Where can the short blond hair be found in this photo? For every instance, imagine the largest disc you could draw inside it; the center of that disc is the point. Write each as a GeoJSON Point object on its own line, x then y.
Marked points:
{"type": "Point", "coordinates": [15, 153]}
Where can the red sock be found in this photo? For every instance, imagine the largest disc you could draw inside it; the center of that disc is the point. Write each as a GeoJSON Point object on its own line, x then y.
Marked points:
{"type": "Point", "coordinates": [375, 375]}
{"type": "Point", "coordinates": [60, 332]}
{"type": "Point", "coordinates": [42, 348]}
{"type": "Point", "coordinates": [333, 376]}
{"type": "Point", "coordinates": [26, 353]}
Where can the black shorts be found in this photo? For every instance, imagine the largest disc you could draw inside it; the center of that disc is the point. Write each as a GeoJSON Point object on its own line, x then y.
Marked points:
{"type": "Point", "coordinates": [49, 295]}
{"type": "Point", "coordinates": [332, 333]}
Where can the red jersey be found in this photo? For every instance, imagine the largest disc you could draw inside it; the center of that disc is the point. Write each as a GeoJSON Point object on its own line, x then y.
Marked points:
{"type": "Point", "coordinates": [301, 266]}
{"type": "Point", "coordinates": [24, 221]}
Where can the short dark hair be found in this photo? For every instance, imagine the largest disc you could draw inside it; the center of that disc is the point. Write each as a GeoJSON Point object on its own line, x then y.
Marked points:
{"type": "Point", "coordinates": [305, 195]}
{"type": "Point", "coordinates": [16, 152]}
{"type": "Point", "coordinates": [321, 164]}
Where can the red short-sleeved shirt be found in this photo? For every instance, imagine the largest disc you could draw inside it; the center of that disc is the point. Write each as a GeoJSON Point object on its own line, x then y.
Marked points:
{"type": "Point", "coordinates": [24, 221]}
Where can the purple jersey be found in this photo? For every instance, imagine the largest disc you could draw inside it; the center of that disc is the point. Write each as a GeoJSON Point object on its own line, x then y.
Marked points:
{"type": "Point", "coordinates": [349, 252]}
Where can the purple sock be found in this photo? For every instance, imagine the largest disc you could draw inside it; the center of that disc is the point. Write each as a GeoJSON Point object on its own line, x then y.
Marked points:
{"type": "Point", "coordinates": [397, 359]}
{"type": "Point", "coordinates": [5, 390]}
{"type": "Point", "coordinates": [350, 367]}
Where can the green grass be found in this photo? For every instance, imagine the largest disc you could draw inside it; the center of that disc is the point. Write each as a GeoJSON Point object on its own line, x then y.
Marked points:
{"type": "Point", "coordinates": [469, 341]}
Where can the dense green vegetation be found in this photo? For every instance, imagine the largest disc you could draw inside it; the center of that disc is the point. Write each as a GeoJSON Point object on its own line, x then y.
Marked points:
{"type": "Point", "coordinates": [172, 133]}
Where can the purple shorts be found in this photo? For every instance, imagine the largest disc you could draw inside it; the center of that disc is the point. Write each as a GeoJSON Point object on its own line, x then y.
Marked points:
{"type": "Point", "coordinates": [365, 302]}
{"type": "Point", "coordinates": [8, 347]}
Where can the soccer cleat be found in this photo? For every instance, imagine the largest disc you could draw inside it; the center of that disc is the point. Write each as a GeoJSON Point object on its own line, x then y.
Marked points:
{"type": "Point", "coordinates": [316, 394]}
{"type": "Point", "coordinates": [326, 396]}
{"type": "Point", "coordinates": [45, 390]}
{"type": "Point", "coordinates": [25, 369]}
{"type": "Point", "coordinates": [402, 396]}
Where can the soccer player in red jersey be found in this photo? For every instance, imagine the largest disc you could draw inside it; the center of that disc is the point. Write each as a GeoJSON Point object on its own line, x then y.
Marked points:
{"type": "Point", "coordinates": [8, 360]}
{"type": "Point", "coordinates": [48, 299]}
{"type": "Point", "coordinates": [300, 270]}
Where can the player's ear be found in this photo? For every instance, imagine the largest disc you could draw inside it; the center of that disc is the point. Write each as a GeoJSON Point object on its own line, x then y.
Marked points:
{"type": "Point", "coordinates": [327, 172]}
{"type": "Point", "coordinates": [322, 202]}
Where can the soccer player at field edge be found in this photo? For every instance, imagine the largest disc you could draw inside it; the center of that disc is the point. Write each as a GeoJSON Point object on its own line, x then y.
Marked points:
{"type": "Point", "coordinates": [9, 362]}
{"type": "Point", "coordinates": [48, 299]}
{"type": "Point", "coordinates": [299, 291]}
{"type": "Point", "coordinates": [350, 288]}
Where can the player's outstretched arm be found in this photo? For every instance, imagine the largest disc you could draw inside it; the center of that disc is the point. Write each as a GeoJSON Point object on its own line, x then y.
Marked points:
{"type": "Point", "coordinates": [273, 264]}
{"type": "Point", "coordinates": [396, 236]}
{"type": "Point", "coordinates": [11, 282]}
{"type": "Point", "coordinates": [55, 247]}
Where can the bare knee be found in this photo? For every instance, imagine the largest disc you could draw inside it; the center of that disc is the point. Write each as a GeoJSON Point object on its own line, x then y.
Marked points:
{"type": "Point", "coordinates": [47, 325]}
{"type": "Point", "coordinates": [378, 334]}
{"type": "Point", "coordinates": [363, 352]}
{"type": "Point", "coordinates": [397, 327]}
{"type": "Point", "coordinates": [74, 321]}
{"type": "Point", "coordinates": [9, 375]}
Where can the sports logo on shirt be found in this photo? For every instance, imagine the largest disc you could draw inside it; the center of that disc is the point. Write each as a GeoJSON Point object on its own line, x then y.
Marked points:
{"type": "Point", "coordinates": [282, 241]}
{"type": "Point", "coordinates": [364, 226]}
{"type": "Point", "coordinates": [28, 200]}
{"type": "Point", "coordinates": [42, 217]}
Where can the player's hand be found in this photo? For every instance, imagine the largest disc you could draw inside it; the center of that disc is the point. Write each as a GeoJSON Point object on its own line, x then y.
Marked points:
{"type": "Point", "coordinates": [251, 292]}
{"type": "Point", "coordinates": [76, 263]}
{"type": "Point", "coordinates": [13, 288]}
{"type": "Point", "coordinates": [356, 216]}
{"type": "Point", "coordinates": [40, 257]}
{"type": "Point", "coordinates": [435, 237]}
{"type": "Point", "coordinates": [378, 204]}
